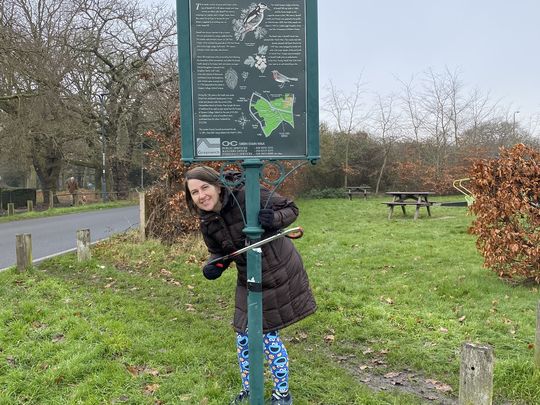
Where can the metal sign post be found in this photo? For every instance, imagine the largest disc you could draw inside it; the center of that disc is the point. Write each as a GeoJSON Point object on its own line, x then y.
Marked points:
{"type": "Point", "coordinates": [253, 231]}
{"type": "Point", "coordinates": [249, 92]}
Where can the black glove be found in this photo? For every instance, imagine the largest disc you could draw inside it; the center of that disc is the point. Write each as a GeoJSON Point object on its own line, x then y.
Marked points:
{"type": "Point", "coordinates": [266, 218]}
{"type": "Point", "coordinates": [214, 270]}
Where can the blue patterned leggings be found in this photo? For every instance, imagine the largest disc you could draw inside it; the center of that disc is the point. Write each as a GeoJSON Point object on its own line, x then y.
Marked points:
{"type": "Point", "coordinates": [276, 355]}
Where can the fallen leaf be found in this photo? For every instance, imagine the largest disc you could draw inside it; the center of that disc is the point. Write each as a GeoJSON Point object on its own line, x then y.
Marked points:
{"type": "Point", "coordinates": [439, 386]}
{"type": "Point", "coordinates": [58, 338]}
{"type": "Point", "coordinates": [151, 371]}
{"type": "Point", "coordinates": [363, 367]}
{"type": "Point", "coordinates": [151, 388]}
{"type": "Point", "coordinates": [461, 319]}
{"type": "Point", "coordinates": [443, 330]}
{"type": "Point", "coordinates": [165, 272]}
{"type": "Point", "coordinates": [368, 351]}
{"type": "Point", "coordinates": [134, 370]}
{"type": "Point", "coordinates": [329, 338]}
{"type": "Point", "coordinates": [392, 374]}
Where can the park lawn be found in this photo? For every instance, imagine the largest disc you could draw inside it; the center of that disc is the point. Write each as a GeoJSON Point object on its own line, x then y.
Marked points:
{"type": "Point", "coordinates": [139, 324]}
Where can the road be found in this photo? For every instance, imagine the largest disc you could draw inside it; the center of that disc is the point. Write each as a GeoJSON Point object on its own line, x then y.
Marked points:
{"type": "Point", "coordinates": [55, 235]}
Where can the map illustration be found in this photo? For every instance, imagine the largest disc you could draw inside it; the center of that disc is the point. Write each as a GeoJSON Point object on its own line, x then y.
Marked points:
{"type": "Point", "coordinates": [270, 114]}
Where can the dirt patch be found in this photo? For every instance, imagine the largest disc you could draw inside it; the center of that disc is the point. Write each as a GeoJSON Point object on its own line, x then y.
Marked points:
{"type": "Point", "coordinates": [376, 375]}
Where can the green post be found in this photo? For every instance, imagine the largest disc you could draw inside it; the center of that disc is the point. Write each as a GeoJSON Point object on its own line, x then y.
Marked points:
{"type": "Point", "coordinates": [253, 231]}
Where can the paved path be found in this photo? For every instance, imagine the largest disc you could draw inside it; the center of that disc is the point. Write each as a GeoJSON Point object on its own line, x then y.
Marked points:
{"type": "Point", "coordinates": [55, 235]}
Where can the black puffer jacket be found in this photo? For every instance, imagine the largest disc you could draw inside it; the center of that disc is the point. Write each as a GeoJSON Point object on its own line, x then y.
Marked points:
{"type": "Point", "coordinates": [287, 297]}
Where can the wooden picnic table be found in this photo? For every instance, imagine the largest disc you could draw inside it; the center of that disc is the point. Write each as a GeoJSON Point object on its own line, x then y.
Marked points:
{"type": "Point", "coordinates": [404, 198]}
{"type": "Point", "coordinates": [358, 190]}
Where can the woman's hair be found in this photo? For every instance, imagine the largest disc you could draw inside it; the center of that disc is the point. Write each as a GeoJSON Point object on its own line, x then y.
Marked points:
{"type": "Point", "coordinates": [202, 173]}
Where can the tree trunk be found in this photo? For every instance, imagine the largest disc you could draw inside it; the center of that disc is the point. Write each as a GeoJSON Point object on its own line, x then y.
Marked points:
{"type": "Point", "coordinates": [120, 173]}
{"type": "Point", "coordinates": [383, 166]}
{"type": "Point", "coordinates": [47, 161]}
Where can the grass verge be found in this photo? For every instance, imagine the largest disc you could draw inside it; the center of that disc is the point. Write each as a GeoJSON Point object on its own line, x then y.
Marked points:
{"type": "Point", "coordinates": [65, 210]}
{"type": "Point", "coordinates": [139, 324]}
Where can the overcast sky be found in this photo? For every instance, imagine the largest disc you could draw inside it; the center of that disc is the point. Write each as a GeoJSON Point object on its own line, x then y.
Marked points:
{"type": "Point", "coordinates": [493, 44]}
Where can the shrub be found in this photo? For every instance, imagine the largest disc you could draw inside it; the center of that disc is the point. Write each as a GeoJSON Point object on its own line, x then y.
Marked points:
{"type": "Point", "coordinates": [326, 193]}
{"type": "Point", "coordinates": [507, 193]}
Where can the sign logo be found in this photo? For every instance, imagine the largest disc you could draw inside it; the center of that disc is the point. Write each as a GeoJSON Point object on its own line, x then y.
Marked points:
{"type": "Point", "coordinates": [208, 147]}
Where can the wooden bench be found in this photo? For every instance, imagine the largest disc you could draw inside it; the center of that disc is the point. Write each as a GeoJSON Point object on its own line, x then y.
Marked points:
{"type": "Point", "coordinates": [359, 190]}
{"type": "Point", "coordinates": [403, 204]}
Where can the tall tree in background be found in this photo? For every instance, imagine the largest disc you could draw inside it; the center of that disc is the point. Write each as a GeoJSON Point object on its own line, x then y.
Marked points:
{"type": "Point", "coordinates": [123, 45]}
{"type": "Point", "coordinates": [348, 113]}
{"type": "Point", "coordinates": [386, 129]}
{"type": "Point", "coordinates": [35, 59]}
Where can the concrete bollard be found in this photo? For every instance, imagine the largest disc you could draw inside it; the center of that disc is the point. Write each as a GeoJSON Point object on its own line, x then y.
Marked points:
{"type": "Point", "coordinates": [537, 343]}
{"type": "Point", "coordinates": [51, 199]}
{"type": "Point", "coordinates": [24, 251]}
{"type": "Point", "coordinates": [11, 209]}
{"type": "Point", "coordinates": [83, 245]}
{"type": "Point", "coordinates": [29, 205]}
{"type": "Point", "coordinates": [476, 375]}
{"type": "Point", "coordinates": [143, 215]}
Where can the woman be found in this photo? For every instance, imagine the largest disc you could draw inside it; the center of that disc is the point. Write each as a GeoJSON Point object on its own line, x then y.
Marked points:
{"type": "Point", "coordinates": [287, 297]}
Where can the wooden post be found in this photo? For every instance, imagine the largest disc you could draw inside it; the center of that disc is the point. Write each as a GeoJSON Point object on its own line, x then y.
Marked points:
{"type": "Point", "coordinates": [11, 209]}
{"type": "Point", "coordinates": [29, 205]}
{"type": "Point", "coordinates": [476, 375]}
{"type": "Point", "coordinates": [51, 199]}
{"type": "Point", "coordinates": [143, 215]}
{"type": "Point", "coordinates": [83, 245]}
{"type": "Point", "coordinates": [537, 343]}
{"type": "Point", "coordinates": [24, 251]}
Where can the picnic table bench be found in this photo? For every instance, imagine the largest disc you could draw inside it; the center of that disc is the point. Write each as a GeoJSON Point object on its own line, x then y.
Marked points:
{"type": "Point", "coordinates": [358, 190]}
{"type": "Point", "coordinates": [403, 198]}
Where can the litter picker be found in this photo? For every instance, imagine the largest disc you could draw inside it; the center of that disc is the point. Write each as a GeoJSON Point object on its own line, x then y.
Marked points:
{"type": "Point", "coordinates": [291, 233]}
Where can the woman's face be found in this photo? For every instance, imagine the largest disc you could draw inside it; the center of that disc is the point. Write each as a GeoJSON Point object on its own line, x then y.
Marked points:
{"type": "Point", "coordinates": [204, 195]}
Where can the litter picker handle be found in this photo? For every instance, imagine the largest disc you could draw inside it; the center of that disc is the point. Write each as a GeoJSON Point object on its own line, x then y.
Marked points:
{"type": "Point", "coordinates": [296, 233]}
{"type": "Point", "coordinates": [292, 233]}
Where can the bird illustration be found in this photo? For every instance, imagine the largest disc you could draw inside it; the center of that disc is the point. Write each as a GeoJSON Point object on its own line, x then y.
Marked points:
{"type": "Point", "coordinates": [253, 19]}
{"type": "Point", "coordinates": [282, 79]}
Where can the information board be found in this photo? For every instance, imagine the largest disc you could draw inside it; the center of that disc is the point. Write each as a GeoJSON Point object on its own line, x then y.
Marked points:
{"type": "Point", "coordinates": [247, 88]}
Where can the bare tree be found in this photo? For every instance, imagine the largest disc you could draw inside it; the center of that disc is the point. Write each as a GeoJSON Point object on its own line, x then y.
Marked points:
{"type": "Point", "coordinates": [347, 112]}
{"type": "Point", "coordinates": [122, 45]}
{"type": "Point", "coordinates": [387, 129]}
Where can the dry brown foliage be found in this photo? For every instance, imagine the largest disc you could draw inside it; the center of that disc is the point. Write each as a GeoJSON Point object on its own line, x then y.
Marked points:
{"type": "Point", "coordinates": [507, 193]}
{"type": "Point", "coordinates": [420, 176]}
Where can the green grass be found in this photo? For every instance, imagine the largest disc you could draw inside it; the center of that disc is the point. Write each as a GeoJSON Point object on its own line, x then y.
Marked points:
{"type": "Point", "coordinates": [65, 210]}
{"type": "Point", "coordinates": [139, 324]}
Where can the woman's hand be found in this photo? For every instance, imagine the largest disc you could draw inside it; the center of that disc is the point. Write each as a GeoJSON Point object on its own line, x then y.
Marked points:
{"type": "Point", "coordinates": [215, 270]}
{"type": "Point", "coordinates": [267, 218]}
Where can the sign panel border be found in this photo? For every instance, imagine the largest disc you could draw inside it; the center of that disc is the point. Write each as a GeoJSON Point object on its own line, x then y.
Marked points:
{"type": "Point", "coordinates": [185, 67]}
